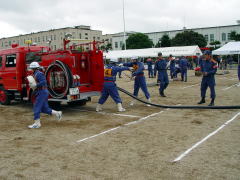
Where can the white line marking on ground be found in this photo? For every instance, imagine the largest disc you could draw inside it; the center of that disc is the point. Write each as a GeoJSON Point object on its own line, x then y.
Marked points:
{"type": "Point", "coordinates": [118, 127]}
{"type": "Point", "coordinates": [131, 123]}
{"type": "Point", "coordinates": [190, 86]}
{"type": "Point", "coordinates": [104, 132]}
{"type": "Point", "coordinates": [115, 114]}
{"type": "Point", "coordinates": [236, 84]}
{"type": "Point", "coordinates": [206, 138]}
{"type": "Point", "coordinates": [231, 79]}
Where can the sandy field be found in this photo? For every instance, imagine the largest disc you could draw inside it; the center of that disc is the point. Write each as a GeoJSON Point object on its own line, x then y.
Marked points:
{"type": "Point", "coordinates": [141, 143]}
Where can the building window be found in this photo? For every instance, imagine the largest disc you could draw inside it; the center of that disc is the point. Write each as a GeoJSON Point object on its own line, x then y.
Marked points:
{"type": "Point", "coordinates": [80, 36]}
{"type": "Point", "coordinates": [121, 44]}
{"type": "Point", "coordinates": [54, 37]}
{"type": "Point", "coordinates": [116, 44]}
{"type": "Point", "coordinates": [11, 60]}
{"type": "Point", "coordinates": [55, 47]}
{"type": "Point", "coordinates": [51, 37]}
{"type": "Point", "coordinates": [46, 38]}
{"type": "Point", "coordinates": [35, 39]}
{"type": "Point", "coordinates": [223, 36]}
{"type": "Point", "coordinates": [94, 38]}
{"type": "Point", "coordinates": [43, 39]}
{"type": "Point", "coordinates": [98, 38]}
{"type": "Point", "coordinates": [9, 43]}
{"type": "Point", "coordinates": [86, 34]}
{"type": "Point", "coordinates": [211, 37]}
{"type": "Point", "coordinates": [38, 39]}
{"type": "Point", "coordinates": [2, 44]}
{"type": "Point", "coordinates": [229, 36]}
{"type": "Point", "coordinates": [86, 37]}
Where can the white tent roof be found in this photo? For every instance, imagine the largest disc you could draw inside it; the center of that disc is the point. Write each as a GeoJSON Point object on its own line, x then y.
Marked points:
{"type": "Point", "coordinates": [152, 52]}
{"type": "Point", "coordinates": [229, 48]}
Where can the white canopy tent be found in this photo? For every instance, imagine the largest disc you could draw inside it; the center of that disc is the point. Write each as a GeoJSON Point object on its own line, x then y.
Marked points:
{"type": "Point", "coordinates": [153, 52]}
{"type": "Point", "coordinates": [228, 49]}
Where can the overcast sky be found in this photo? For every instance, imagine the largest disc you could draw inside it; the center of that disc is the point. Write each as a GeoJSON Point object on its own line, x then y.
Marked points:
{"type": "Point", "coordinates": [25, 16]}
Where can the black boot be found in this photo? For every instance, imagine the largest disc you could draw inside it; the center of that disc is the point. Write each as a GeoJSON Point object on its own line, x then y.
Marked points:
{"type": "Point", "coordinates": [212, 102]}
{"type": "Point", "coordinates": [162, 94]}
{"type": "Point", "coordinates": [202, 101]}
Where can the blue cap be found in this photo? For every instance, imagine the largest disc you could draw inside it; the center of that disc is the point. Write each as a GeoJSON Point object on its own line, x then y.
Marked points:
{"type": "Point", "coordinates": [207, 52]}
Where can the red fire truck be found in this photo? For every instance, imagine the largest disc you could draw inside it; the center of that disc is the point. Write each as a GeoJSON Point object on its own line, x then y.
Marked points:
{"type": "Point", "coordinates": [73, 74]}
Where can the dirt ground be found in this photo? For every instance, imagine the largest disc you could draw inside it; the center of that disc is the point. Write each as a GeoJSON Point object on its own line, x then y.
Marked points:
{"type": "Point", "coordinates": [141, 150]}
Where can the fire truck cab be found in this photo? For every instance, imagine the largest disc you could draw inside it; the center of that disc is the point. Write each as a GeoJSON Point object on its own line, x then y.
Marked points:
{"type": "Point", "coordinates": [73, 75]}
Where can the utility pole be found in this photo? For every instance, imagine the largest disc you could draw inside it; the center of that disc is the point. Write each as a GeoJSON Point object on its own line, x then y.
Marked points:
{"type": "Point", "coordinates": [124, 30]}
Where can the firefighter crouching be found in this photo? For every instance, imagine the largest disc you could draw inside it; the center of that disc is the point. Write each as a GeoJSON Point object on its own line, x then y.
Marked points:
{"type": "Point", "coordinates": [110, 87]}
{"type": "Point", "coordinates": [41, 96]}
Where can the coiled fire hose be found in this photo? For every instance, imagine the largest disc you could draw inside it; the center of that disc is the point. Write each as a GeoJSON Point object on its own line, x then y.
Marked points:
{"type": "Point", "coordinates": [177, 107]}
{"type": "Point", "coordinates": [67, 73]}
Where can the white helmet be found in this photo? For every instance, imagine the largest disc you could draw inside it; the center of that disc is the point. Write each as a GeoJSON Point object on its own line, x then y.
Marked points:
{"type": "Point", "coordinates": [34, 65]}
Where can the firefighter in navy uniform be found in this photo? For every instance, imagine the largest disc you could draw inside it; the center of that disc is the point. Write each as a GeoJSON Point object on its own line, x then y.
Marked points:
{"type": "Point", "coordinates": [183, 64]}
{"type": "Point", "coordinates": [150, 69]}
{"type": "Point", "coordinates": [172, 66]}
{"type": "Point", "coordinates": [161, 67]}
{"type": "Point", "coordinates": [110, 87]}
{"type": "Point", "coordinates": [41, 94]}
{"type": "Point", "coordinates": [139, 78]}
{"type": "Point", "coordinates": [209, 68]}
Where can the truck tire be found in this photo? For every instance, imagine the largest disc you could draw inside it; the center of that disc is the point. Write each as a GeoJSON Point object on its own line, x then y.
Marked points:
{"type": "Point", "coordinates": [4, 98]}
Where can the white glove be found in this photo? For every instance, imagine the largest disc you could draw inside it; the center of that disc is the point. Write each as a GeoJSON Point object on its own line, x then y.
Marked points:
{"type": "Point", "coordinates": [120, 65]}
{"type": "Point", "coordinates": [32, 82]}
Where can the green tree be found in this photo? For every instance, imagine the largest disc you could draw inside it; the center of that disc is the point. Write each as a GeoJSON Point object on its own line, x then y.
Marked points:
{"type": "Point", "coordinates": [165, 41]}
{"type": "Point", "coordinates": [106, 47]}
{"type": "Point", "coordinates": [234, 36]}
{"type": "Point", "coordinates": [188, 38]}
{"type": "Point", "coordinates": [138, 41]}
{"type": "Point", "coordinates": [215, 44]}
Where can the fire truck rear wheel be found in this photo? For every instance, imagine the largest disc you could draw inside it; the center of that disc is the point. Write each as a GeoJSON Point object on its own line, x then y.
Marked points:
{"type": "Point", "coordinates": [4, 98]}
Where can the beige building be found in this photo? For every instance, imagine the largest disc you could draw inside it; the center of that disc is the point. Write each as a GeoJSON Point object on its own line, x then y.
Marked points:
{"type": "Point", "coordinates": [54, 36]}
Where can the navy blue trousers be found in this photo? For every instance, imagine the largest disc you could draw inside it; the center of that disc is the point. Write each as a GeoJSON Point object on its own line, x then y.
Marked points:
{"type": "Point", "coordinates": [184, 74]}
{"type": "Point", "coordinates": [140, 82]}
{"type": "Point", "coordinates": [208, 82]}
{"type": "Point", "coordinates": [150, 72]}
{"type": "Point", "coordinates": [109, 88]}
{"type": "Point", "coordinates": [41, 104]}
{"type": "Point", "coordinates": [163, 79]}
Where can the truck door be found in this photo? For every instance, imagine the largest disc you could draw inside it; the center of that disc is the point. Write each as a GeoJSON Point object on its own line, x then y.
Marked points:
{"type": "Point", "coordinates": [9, 74]}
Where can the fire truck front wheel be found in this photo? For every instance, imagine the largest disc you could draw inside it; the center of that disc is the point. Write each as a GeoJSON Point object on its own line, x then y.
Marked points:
{"type": "Point", "coordinates": [4, 97]}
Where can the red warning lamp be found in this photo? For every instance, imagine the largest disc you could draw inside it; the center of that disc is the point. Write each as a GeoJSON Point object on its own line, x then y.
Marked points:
{"type": "Point", "coordinates": [15, 45]}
